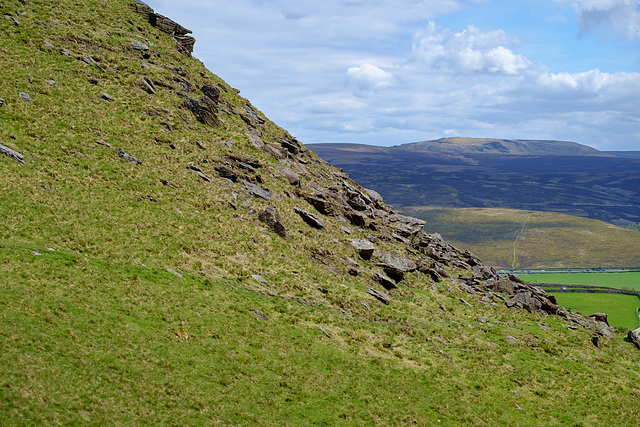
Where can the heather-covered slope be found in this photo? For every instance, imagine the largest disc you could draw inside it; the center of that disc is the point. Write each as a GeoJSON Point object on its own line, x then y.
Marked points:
{"type": "Point", "coordinates": [170, 256]}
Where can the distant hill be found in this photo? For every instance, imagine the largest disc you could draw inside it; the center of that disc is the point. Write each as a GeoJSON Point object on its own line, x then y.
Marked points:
{"type": "Point", "coordinates": [550, 176]}
{"type": "Point", "coordinates": [507, 238]}
{"type": "Point", "coordinates": [625, 154]}
{"type": "Point", "coordinates": [517, 147]}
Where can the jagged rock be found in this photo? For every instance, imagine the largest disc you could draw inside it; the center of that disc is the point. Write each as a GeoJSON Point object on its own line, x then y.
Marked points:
{"type": "Point", "coordinates": [312, 219]}
{"type": "Point", "coordinates": [184, 43]}
{"type": "Point", "coordinates": [256, 191]}
{"type": "Point", "coordinates": [128, 157]}
{"type": "Point", "coordinates": [225, 172]}
{"type": "Point", "coordinates": [291, 177]}
{"type": "Point", "coordinates": [482, 272]}
{"type": "Point", "coordinates": [211, 92]}
{"type": "Point", "coordinates": [525, 300]}
{"type": "Point", "coordinates": [291, 145]}
{"type": "Point", "coordinates": [25, 97]}
{"type": "Point", "coordinates": [1, 102]}
{"type": "Point", "coordinates": [435, 271]}
{"type": "Point", "coordinates": [379, 295]}
{"type": "Point", "coordinates": [320, 202]}
{"type": "Point", "coordinates": [356, 218]}
{"type": "Point", "coordinates": [272, 218]}
{"type": "Point", "coordinates": [374, 196]}
{"type": "Point", "coordinates": [198, 171]}
{"type": "Point", "coordinates": [395, 266]}
{"type": "Point", "coordinates": [408, 227]}
{"type": "Point", "coordinates": [385, 281]}
{"type": "Point", "coordinates": [11, 153]}
{"type": "Point", "coordinates": [364, 247]}
{"type": "Point", "coordinates": [503, 285]}
{"type": "Point", "coordinates": [599, 317]}
{"type": "Point", "coordinates": [595, 339]}
{"type": "Point", "coordinates": [204, 111]}
{"type": "Point", "coordinates": [357, 202]}
{"type": "Point", "coordinates": [634, 337]}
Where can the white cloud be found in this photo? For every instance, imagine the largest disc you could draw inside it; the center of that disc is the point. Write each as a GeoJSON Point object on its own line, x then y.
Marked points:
{"type": "Point", "coordinates": [620, 17]}
{"type": "Point", "coordinates": [368, 78]}
{"type": "Point", "coordinates": [470, 50]}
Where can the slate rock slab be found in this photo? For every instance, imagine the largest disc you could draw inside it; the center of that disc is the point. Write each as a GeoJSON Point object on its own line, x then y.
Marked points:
{"type": "Point", "coordinates": [312, 219]}
{"type": "Point", "coordinates": [25, 97]}
{"type": "Point", "coordinates": [381, 296]}
{"type": "Point", "coordinates": [364, 247]}
{"type": "Point", "coordinates": [128, 157]}
{"type": "Point", "coordinates": [271, 216]}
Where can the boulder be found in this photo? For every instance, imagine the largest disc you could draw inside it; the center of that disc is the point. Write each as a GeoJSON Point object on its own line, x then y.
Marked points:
{"type": "Point", "coordinates": [599, 317]}
{"type": "Point", "coordinates": [25, 97]}
{"type": "Point", "coordinates": [320, 202]}
{"type": "Point", "coordinates": [225, 172]}
{"type": "Point", "coordinates": [385, 281]}
{"type": "Point", "coordinates": [204, 111]}
{"type": "Point", "coordinates": [525, 300]}
{"type": "Point", "coordinates": [503, 285]}
{"type": "Point", "coordinates": [272, 218]}
{"type": "Point", "coordinates": [364, 247]}
{"type": "Point", "coordinates": [312, 219]}
{"type": "Point", "coordinates": [395, 266]}
{"type": "Point", "coordinates": [289, 175]}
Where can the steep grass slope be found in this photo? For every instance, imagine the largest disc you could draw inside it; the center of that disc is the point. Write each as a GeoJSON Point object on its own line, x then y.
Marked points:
{"type": "Point", "coordinates": [143, 279]}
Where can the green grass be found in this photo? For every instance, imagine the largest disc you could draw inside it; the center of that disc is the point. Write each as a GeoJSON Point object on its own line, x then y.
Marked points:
{"type": "Point", "coordinates": [619, 308]}
{"type": "Point", "coordinates": [91, 319]}
{"type": "Point", "coordinates": [510, 238]}
{"type": "Point", "coordinates": [629, 280]}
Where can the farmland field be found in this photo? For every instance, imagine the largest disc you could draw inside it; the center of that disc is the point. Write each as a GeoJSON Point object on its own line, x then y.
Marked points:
{"type": "Point", "coordinates": [609, 280]}
{"type": "Point", "coordinates": [620, 308]}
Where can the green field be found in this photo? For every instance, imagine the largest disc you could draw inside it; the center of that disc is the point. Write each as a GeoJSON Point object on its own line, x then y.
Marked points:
{"type": "Point", "coordinates": [620, 308]}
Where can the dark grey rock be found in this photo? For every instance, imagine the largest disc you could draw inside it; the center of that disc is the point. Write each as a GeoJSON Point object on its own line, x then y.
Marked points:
{"type": "Point", "coordinates": [25, 97]}
{"type": "Point", "coordinates": [324, 331]}
{"type": "Point", "coordinates": [379, 295]}
{"type": "Point", "coordinates": [273, 219]}
{"type": "Point", "coordinates": [204, 111]}
{"type": "Point", "coordinates": [599, 317]}
{"type": "Point", "coordinates": [395, 266]}
{"type": "Point", "coordinates": [106, 97]}
{"type": "Point", "coordinates": [364, 247]}
{"type": "Point", "coordinates": [320, 202]}
{"type": "Point", "coordinates": [292, 177]}
{"type": "Point", "coordinates": [148, 86]}
{"type": "Point", "coordinates": [312, 219]}
{"type": "Point", "coordinates": [256, 191]}
{"type": "Point", "coordinates": [225, 172]}
{"type": "Point", "coordinates": [128, 157]}
{"type": "Point", "coordinates": [385, 281]}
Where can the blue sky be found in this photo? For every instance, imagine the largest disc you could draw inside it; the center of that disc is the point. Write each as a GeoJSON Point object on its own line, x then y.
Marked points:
{"type": "Point", "coordinates": [386, 73]}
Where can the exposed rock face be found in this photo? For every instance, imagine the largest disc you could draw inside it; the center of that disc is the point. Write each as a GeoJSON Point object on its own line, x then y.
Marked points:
{"type": "Point", "coordinates": [364, 247]}
{"type": "Point", "coordinates": [396, 266]}
{"type": "Point", "coordinates": [634, 337]}
{"type": "Point", "coordinates": [312, 219]}
{"type": "Point", "coordinates": [272, 218]}
{"type": "Point", "coordinates": [184, 43]}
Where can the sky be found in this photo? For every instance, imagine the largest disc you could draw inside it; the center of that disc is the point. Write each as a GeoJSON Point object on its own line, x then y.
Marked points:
{"type": "Point", "coordinates": [387, 73]}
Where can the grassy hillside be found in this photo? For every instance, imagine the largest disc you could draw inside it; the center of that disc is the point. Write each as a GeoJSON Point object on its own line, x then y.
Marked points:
{"type": "Point", "coordinates": [156, 291]}
{"type": "Point", "coordinates": [507, 238]}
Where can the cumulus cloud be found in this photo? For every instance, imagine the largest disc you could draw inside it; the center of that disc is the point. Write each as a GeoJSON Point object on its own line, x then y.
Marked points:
{"type": "Point", "coordinates": [368, 78]}
{"type": "Point", "coordinates": [470, 50]}
{"type": "Point", "coordinates": [620, 17]}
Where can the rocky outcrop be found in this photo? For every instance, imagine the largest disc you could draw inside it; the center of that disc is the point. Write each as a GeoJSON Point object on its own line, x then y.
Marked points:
{"type": "Point", "coordinates": [184, 43]}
